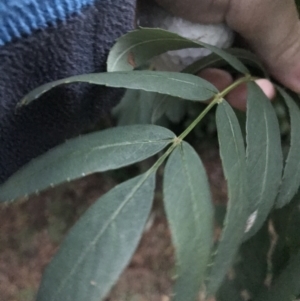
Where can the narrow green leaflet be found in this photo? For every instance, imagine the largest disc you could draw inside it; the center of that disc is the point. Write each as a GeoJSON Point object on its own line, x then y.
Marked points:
{"type": "Point", "coordinates": [264, 157]}
{"type": "Point", "coordinates": [100, 245]}
{"type": "Point", "coordinates": [247, 57]}
{"type": "Point", "coordinates": [189, 211]}
{"type": "Point", "coordinates": [139, 46]}
{"type": "Point", "coordinates": [101, 151]}
{"type": "Point", "coordinates": [181, 85]}
{"type": "Point", "coordinates": [287, 286]}
{"type": "Point", "coordinates": [291, 176]}
{"type": "Point", "coordinates": [232, 151]}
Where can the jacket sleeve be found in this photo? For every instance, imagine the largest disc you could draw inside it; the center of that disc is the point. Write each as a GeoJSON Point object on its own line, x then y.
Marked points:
{"type": "Point", "coordinates": [45, 40]}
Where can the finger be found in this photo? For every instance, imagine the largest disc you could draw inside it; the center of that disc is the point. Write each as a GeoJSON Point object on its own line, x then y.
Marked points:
{"type": "Point", "coordinates": [198, 11]}
{"type": "Point", "coordinates": [272, 28]}
{"type": "Point", "coordinates": [219, 78]}
{"type": "Point", "coordinates": [238, 97]}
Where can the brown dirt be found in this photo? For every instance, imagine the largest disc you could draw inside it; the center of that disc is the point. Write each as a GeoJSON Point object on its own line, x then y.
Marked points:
{"type": "Point", "coordinates": [31, 231]}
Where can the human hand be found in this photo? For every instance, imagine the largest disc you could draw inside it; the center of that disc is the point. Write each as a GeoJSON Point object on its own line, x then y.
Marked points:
{"type": "Point", "coordinates": [270, 27]}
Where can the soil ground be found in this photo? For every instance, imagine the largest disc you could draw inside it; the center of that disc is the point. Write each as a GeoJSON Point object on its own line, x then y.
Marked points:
{"type": "Point", "coordinates": [31, 231]}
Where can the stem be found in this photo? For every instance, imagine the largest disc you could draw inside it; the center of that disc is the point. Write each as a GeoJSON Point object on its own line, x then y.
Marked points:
{"type": "Point", "coordinates": [216, 100]}
{"type": "Point", "coordinates": [245, 79]}
{"type": "Point", "coordinates": [161, 159]}
{"type": "Point", "coordinates": [197, 120]}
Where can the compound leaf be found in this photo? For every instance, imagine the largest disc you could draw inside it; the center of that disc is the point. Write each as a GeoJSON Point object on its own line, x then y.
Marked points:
{"type": "Point", "coordinates": [291, 176]}
{"type": "Point", "coordinates": [139, 46]}
{"type": "Point", "coordinates": [96, 152]}
{"type": "Point", "coordinates": [232, 151]}
{"type": "Point", "coordinates": [100, 245]}
{"type": "Point", "coordinates": [186, 86]}
{"type": "Point", "coordinates": [189, 211]}
{"type": "Point", "coordinates": [264, 157]}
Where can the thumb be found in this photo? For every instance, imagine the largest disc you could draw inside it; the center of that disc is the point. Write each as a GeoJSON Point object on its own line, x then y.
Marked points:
{"type": "Point", "coordinates": [272, 29]}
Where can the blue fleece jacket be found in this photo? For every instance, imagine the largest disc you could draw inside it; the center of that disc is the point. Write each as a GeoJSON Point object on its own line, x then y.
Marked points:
{"type": "Point", "coordinates": [45, 40]}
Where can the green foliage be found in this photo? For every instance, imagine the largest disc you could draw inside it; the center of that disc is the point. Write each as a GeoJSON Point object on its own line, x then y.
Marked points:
{"type": "Point", "coordinates": [256, 243]}
{"type": "Point", "coordinates": [138, 47]}
{"type": "Point", "coordinates": [188, 202]}
{"type": "Point", "coordinates": [264, 156]}
{"type": "Point", "coordinates": [232, 151]}
{"type": "Point", "coordinates": [214, 60]}
{"type": "Point", "coordinates": [100, 151]}
{"type": "Point", "coordinates": [186, 86]}
{"type": "Point", "coordinates": [100, 245]}
{"type": "Point", "coordinates": [291, 177]}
